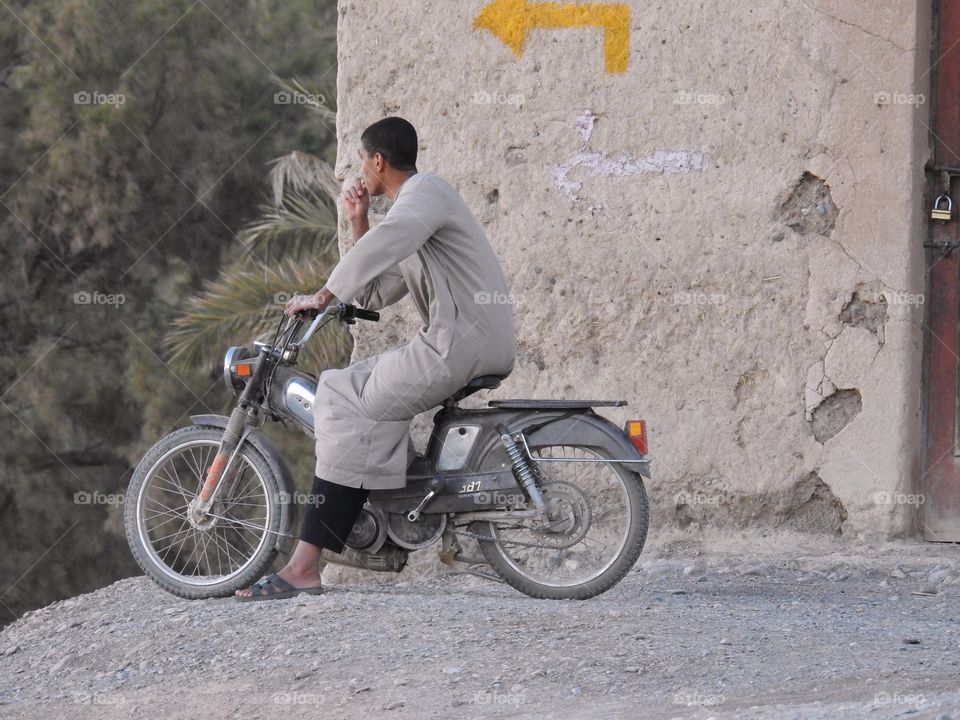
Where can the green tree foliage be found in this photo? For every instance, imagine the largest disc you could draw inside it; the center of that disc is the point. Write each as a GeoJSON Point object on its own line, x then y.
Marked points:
{"type": "Point", "coordinates": [134, 139]}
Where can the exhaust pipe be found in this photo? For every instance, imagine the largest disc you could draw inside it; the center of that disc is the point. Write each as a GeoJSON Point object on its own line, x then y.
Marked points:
{"type": "Point", "coordinates": [386, 559]}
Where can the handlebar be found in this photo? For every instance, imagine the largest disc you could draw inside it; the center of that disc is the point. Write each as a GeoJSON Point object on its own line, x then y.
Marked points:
{"type": "Point", "coordinates": [343, 311]}
{"type": "Point", "coordinates": [346, 312]}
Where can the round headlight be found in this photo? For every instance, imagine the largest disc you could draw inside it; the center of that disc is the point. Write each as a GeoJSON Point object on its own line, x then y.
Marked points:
{"type": "Point", "coordinates": [229, 361]}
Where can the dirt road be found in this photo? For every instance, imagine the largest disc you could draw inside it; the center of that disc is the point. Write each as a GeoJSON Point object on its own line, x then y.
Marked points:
{"type": "Point", "coordinates": [827, 632]}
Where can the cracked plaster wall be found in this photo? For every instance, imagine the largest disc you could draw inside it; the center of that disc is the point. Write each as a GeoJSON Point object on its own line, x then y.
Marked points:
{"type": "Point", "coordinates": [709, 235]}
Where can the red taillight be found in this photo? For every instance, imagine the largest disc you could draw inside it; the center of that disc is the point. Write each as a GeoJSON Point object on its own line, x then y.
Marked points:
{"type": "Point", "coordinates": [636, 430]}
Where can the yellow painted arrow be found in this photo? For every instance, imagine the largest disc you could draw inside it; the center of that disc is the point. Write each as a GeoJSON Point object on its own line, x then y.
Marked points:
{"type": "Point", "coordinates": [512, 20]}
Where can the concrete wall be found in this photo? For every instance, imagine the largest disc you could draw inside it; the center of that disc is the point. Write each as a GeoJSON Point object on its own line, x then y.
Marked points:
{"type": "Point", "coordinates": [728, 234]}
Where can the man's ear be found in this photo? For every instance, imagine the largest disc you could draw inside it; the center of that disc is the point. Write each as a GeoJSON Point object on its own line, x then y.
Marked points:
{"type": "Point", "coordinates": [380, 161]}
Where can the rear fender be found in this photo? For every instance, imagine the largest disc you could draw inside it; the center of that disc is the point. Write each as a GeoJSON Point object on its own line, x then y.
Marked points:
{"type": "Point", "coordinates": [582, 428]}
{"type": "Point", "coordinates": [289, 509]}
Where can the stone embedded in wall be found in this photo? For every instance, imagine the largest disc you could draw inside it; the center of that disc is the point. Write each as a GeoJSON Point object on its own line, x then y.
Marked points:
{"type": "Point", "coordinates": [867, 313]}
{"type": "Point", "coordinates": [808, 506]}
{"type": "Point", "coordinates": [530, 353]}
{"type": "Point", "coordinates": [810, 208]}
{"type": "Point", "coordinates": [814, 508]}
{"type": "Point", "coordinates": [515, 155]}
{"type": "Point", "coordinates": [835, 412]}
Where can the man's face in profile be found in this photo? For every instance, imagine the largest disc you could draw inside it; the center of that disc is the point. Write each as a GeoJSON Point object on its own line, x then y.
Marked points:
{"type": "Point", "coordinates": [371, 171]}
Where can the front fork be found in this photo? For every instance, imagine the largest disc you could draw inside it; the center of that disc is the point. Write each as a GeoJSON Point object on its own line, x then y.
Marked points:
{"type": "Point", "coordinates": [222, 471]}
{"type": "Point", "coordinates": [244, 419]}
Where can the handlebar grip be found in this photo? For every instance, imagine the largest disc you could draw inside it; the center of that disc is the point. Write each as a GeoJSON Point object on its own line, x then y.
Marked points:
{"type": "Point", "coordinates": [347, 312]}
{"type": "Point", "coordinates": [366, 314]}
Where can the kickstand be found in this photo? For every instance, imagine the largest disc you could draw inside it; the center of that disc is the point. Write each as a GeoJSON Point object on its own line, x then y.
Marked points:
{"type": "Point", "coordinates": [452, 556]}
{"type": "Point", "coordinates": [472, 570]}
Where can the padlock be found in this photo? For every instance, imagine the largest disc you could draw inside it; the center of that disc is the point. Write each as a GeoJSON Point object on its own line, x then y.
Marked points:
{"type": "Point", "coordinates": [941, 213]}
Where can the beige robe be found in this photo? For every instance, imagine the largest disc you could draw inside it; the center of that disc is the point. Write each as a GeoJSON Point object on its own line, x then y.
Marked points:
{"type": "Point", "coordinates": [430, 245]}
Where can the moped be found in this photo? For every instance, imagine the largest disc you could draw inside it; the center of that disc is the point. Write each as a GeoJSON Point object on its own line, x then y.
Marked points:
{"type": "Point", "coordinates": [550, 491]}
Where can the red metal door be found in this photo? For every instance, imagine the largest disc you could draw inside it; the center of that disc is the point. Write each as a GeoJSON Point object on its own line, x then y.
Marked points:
{"type": "Point", "coordinates": [940, 510]}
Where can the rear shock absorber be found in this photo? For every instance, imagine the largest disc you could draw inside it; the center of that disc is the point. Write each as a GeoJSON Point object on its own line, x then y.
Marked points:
{"type": "Point", "coordinates": [522, 468]}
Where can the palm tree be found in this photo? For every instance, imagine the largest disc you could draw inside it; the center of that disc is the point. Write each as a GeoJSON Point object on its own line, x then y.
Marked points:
{"type": "Point", "coordinates": [290, 249]}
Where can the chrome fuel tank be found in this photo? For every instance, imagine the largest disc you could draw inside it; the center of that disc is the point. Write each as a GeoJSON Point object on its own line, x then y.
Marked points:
{"type": "Point", "coordinates": [292, 394]}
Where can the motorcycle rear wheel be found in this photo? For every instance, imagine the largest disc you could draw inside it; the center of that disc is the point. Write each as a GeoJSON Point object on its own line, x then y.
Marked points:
{"type": "Point", "coordinates": [603, 498]}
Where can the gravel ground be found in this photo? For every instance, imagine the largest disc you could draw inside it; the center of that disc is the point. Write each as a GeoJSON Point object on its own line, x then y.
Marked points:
{"type": "Point", "coordinates": [832, 631]}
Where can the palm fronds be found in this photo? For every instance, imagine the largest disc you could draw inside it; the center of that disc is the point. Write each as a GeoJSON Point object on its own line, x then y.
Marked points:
{"type": "Point", "coordinates": [299, 173]}
{"type": "Point", "coordinates": [303, 226]}
{"type": "Point", "coordinates": [245, 304]}
{"type": "Point", "coordinates": [302, 221]}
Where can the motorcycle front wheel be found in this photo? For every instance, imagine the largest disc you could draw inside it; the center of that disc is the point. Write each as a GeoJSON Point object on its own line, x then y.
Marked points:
{"type": "Point", "coordinates": [206, 556]}
{"type": "Point", "coordinates": [598, 512]}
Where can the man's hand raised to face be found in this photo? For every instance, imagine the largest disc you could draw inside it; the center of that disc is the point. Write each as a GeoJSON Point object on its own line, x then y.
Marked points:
{"type": "Point", "coordinates": [356, 202]}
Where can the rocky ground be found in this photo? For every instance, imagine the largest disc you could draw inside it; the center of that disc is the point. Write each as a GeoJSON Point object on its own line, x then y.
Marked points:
{"type": "Point", "coordinates": [827, 631]}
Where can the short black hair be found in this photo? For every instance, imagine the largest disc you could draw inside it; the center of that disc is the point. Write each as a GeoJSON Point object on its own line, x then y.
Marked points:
{"type": "Point", "coordinates": [395, 139]}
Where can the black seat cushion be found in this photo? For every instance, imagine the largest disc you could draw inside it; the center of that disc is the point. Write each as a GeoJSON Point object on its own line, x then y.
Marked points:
{"type": "Point", "coordinates": [483, 382]}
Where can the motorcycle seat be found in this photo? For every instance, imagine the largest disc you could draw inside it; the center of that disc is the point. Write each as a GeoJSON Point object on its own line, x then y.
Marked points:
{"type": "Point", "coordinates": [483, 382]}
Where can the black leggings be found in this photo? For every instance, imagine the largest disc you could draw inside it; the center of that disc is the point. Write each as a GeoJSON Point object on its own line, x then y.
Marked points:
{"type": "Point", "coordinates": [331, 512]}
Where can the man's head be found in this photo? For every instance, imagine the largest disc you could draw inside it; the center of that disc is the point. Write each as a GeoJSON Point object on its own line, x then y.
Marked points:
{"type": "Point", "coordinates": [388, 153]}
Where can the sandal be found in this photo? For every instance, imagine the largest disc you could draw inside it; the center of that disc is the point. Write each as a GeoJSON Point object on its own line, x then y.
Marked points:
{"type": "Point", "coordinates": [275, 587]}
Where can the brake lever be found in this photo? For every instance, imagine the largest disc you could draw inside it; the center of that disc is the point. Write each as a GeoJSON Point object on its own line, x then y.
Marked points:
{"type": "Point", "coordinates": [319, 320]}
{"type": "Point", "coordinates": [308, 312]}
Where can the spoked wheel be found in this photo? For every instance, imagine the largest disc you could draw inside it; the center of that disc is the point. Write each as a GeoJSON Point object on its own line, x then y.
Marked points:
{"type": "Point", "coordinates": [597, 528]}
{"type": "Point", "coordinates": [188, 553]}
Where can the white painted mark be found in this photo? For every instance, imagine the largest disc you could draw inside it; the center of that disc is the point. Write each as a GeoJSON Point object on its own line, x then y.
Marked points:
{"type": "Point", "coordinates": [585, 125]}
{"type": "Point", "coordinates": [601, 165]}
